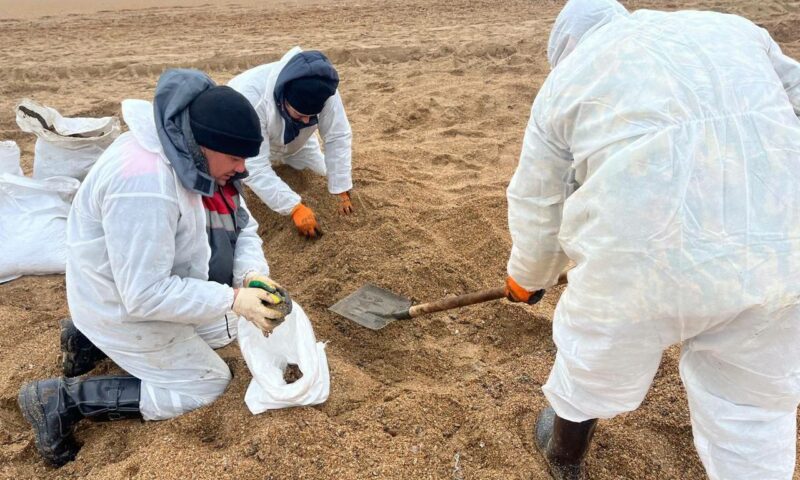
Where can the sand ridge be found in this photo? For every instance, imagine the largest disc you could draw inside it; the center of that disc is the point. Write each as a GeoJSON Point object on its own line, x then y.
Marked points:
{"type": "Point", "coordinates": [438, 94]}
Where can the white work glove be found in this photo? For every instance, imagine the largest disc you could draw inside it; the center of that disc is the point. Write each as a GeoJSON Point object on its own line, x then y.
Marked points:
{"type": "Point", "coordinates": [252, 304]}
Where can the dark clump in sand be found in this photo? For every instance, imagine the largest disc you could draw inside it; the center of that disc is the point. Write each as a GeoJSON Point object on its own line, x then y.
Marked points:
{"type": "Point", "coordinates": [292, 373]}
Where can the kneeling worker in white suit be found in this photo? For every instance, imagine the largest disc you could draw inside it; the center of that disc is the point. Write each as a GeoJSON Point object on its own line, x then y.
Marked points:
{"type": "Point", "coordinates": [160, 244]}
{"type": "Point", "coordinates": [294, 97]}
{"type": "Point", "coordinates": [662, 157]}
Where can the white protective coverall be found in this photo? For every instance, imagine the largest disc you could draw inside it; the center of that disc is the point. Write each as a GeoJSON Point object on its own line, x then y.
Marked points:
{"type": "Point", "coordinates": [137, 273]}
{"type": "Point", "coordinates": [258, 85]}
{"type": "Point", "coordinates": [662, 156]}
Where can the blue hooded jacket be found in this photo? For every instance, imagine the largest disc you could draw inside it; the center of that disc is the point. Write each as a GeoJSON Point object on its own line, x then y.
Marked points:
{"type": "Point", "coordinates": [176, 89]}
{"type": "Point", "coordinates": [305, 64]}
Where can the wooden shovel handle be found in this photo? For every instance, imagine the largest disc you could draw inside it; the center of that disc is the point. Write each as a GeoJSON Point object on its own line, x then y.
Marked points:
{"type": "Point", "coordinates": [458, 301]}
{"type": "Point", "coordinates": [463, 300]}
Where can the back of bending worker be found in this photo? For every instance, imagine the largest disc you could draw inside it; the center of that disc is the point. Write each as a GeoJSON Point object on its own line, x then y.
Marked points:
{"type": "Point", "coordinates": [662, 157]}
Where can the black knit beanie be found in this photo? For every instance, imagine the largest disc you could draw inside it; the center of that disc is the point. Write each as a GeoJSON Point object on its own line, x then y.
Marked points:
{"type": "Point", "coordinates": [223, 120]}
{"type": "Point", "coordinates": [308, 95]}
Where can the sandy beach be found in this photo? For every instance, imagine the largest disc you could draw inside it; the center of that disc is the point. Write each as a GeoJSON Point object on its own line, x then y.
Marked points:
{"type": "Point", "coordinates": [438, 95]}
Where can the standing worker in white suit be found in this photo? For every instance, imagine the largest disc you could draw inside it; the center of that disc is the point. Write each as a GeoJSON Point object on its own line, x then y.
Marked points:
{"type": "Point", "coordinates": [161, 250]}
{"type": "Point", "coordinates": [662, 157]}
{"type": "Point", "coordinates": [294, 97]}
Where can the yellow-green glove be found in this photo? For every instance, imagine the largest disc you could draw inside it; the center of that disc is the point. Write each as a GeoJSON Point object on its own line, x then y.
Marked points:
{"type": "Point", "coordinates": [279, 298]}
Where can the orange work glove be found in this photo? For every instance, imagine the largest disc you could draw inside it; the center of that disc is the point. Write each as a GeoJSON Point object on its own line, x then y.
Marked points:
{"type": "Point", "coordinates": [345, 204]}
{"type": "Point", "coordinates": [515, 293]}
{"type": "Point", "coordinates": [305, 221]}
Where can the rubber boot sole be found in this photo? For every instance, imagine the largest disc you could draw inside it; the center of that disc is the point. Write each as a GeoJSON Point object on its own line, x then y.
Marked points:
{"type": "Point", "coordinates": [67, 359]}
{"type": "Point", "coordinates": [31, 407]}
{"type": "Point", "coordinates": [69, 363]}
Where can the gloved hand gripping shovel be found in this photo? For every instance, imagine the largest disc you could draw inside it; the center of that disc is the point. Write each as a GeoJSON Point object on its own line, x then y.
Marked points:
{"type": "Point", "coordinates": [374, 307]}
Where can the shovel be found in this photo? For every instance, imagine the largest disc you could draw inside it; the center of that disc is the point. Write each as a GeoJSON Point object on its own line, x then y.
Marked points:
{"type": "Point", "coordinates": [374, 307]}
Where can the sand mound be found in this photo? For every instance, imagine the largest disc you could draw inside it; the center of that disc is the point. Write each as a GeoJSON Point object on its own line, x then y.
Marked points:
{"type": "Point", "coordinates": [438, 94]}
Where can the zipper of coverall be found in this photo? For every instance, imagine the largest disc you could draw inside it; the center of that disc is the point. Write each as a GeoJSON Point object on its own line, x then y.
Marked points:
{"type": "Point", "coordinates": [233, 217]}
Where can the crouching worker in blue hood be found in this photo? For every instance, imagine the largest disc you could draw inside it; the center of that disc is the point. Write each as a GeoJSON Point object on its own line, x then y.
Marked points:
{"type": "Point", "coordinates": [294, 97]}
{"type": "Point", "coordinates": [161, 248]}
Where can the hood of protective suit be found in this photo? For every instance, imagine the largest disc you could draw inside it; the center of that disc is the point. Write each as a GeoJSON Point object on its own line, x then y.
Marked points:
{"type": "Point", "coordinates": [176, 89]}
{"type": "Point", "coordinates": [305, 64]}
{"type": "Point", "coordinates": [576, 21]}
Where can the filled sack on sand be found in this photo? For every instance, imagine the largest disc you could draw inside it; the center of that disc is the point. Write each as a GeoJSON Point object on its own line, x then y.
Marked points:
{"type": "Point", "coordinates": [65, 146]}
{"type": "Point", "coordinates": [33, 224]}
{"type": "Point", "coordinates": [293, 344]}
{"type": "Point", "coordinates": [9, 158]}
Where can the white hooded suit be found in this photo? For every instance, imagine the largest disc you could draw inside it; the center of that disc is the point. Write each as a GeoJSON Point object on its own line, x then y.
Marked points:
{"type": "Point", "coordinates": [662, 156]}
{"type": "Point", "coordinates": [137, 273]}
{"type": "Point", "coordinates": [258, 86]}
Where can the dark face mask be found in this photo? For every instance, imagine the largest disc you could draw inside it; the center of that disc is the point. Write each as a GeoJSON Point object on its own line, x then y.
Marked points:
{"type": "Point", "coordinates": [293, 126]}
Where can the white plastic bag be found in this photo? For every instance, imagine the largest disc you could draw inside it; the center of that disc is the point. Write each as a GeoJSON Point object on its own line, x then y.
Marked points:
{"type": "Point", "coordinates": [65, 146]}
{"type": "Point", "coordinates": [9, 158]}
{"type": "Point", "coordinates": [33, 224]}
{"type": "Point", "coordinates": [267, 357]}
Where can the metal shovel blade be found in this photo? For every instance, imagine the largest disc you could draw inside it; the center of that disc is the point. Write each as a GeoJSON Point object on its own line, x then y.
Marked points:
{"type": "Point", "coordinates": [371, 306]}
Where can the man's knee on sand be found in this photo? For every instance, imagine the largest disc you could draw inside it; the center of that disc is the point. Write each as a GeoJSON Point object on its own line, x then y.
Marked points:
{"type": "Point", "coordinates": [213, 386]}
{"type": "Point", "coordinates": [159, 403]}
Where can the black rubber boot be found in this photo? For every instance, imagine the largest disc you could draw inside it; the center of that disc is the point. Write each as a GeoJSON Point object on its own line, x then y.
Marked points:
{"type": "Point", "coordinates": [78, 353]}
{"type": "Point", "coordinates": [563, 444]}
{"type": "Point", "coordinates": [53, 407]}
